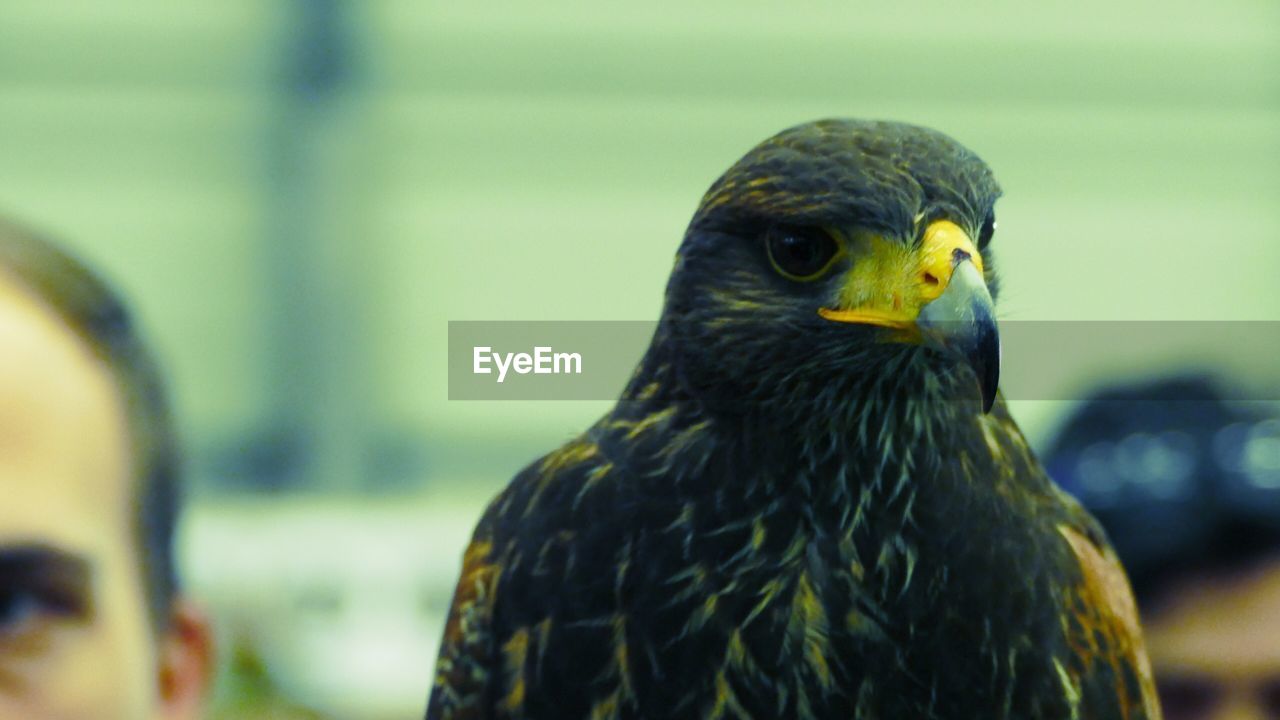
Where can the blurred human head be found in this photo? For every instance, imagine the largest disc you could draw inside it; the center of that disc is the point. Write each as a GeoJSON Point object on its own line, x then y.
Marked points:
{"type": "Point", "coordinates": [1188, 487]}
{"type": "Point", "coordinates": [1214, 638]}
{"type": "Point", "coordinates": [91, 624]}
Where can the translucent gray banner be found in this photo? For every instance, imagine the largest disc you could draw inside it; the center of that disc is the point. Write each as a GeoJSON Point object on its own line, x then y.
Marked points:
{"type": "Point", "coordinates": [1042, 360]}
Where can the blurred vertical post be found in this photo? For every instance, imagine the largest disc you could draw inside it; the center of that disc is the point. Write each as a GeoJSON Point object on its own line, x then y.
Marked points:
{"type": "Point", "coordinates": [316, 258]}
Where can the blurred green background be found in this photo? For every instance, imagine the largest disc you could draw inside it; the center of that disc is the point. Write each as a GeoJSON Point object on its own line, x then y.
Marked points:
{"type": "Point", "coordinates": [299, 195]}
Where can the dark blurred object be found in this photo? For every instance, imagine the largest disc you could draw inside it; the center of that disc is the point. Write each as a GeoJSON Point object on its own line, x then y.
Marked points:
{"type": "Point", "coordinates": [1188, 488]}
{"type": "Point", "coordinates": [1182, 480]}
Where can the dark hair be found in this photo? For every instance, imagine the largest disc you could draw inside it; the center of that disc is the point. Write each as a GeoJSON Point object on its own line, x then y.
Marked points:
{"type": "Point", "coordinates": [1174, 474]}
{"type": "Point", "coordinates": [96, 313]}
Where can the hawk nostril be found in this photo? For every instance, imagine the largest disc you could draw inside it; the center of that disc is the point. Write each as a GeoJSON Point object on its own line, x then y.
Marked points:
{"type": "Point", "coordinates": [958, 256]}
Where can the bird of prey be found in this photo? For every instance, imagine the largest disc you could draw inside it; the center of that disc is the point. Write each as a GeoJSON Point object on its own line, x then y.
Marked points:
{"type": "Point", "coordinates": [810, 500]}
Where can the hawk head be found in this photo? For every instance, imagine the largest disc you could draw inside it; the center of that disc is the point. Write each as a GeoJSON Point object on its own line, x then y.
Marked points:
{"type": "Point", "coordinates": [839, 253]}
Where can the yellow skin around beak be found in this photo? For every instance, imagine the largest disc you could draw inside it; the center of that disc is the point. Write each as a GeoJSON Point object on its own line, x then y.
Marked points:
{"type": "Point", "coordinates": [890, 283]}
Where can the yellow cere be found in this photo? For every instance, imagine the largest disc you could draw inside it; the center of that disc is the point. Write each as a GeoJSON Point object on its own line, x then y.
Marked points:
{"type": "Point", "coordinates": [890, 282]}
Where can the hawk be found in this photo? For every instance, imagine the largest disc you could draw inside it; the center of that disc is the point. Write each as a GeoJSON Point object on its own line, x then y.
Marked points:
{"type": "Point", "coordinates": [810, 501]}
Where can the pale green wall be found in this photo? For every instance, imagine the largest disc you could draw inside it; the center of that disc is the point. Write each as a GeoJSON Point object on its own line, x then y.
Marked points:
{"type": "Point", "coordinates": [540, 160]}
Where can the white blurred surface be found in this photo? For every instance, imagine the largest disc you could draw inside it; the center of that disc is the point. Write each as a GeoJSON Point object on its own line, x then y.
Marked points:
{"type": "Point", "coordinates": [344, 600]}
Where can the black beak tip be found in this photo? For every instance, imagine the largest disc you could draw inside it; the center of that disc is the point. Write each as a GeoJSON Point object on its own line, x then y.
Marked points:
{"type": "Point", "coordinates": [985, 361]}
{"type": "Point", "coordinates": [989, 385]}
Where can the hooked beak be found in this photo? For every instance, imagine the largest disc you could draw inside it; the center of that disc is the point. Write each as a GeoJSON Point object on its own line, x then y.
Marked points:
{"type": "Point", "coordinates": [962, 320]}
{"type": "Point", "coordinates": [939, 300]}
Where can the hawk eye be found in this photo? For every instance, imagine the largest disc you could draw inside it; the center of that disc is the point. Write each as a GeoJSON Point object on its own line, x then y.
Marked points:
{"type": "Point", "coordinates": [801, 253]}
{"type": "Point", "coordinates": [988, 229]}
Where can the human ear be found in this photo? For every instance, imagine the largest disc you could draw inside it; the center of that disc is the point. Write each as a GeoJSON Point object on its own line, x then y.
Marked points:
{"type": "Point", "coordinates": [185, 663]}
